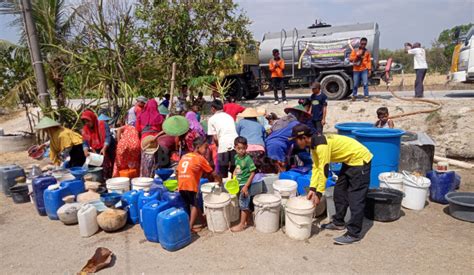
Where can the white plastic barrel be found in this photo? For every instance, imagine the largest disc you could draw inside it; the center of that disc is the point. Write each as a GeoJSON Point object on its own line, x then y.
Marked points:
{"type": "Point", "coordinates": [299, 218]}
{"type": "Point", "coordinates": [267, 212]}
{"type": "Point", "coordinates": [87, 219]}
{"type": "Point", "coordinates": [416, 192]}
{"type": "Point", "coordinates": [217, 211]}
{"type": "Point", "coordinates": [95, 159]}
{"type": "Point", "coordinates": [285, 189]}
{"type": "Point", "coordinates": [118, 185]}
{"type": "Point", "coordinates": [142, 183]}
{"type": "Point", "coordinates": [391, 180]}
{"type": "Point", "coordinates": [206, 189]}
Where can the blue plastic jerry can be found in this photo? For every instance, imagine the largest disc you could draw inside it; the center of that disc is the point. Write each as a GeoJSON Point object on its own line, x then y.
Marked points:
{"type": "Point", "coordinates": [149, 214]}
{"type": "Point", "coordinates": [144, 198]}
{"type": "Point", "coordinates": [130, 203]}
{"type": "Point", "coordinates": [174, 232]}
{"type": "Point", "coordinates": [40, 184]}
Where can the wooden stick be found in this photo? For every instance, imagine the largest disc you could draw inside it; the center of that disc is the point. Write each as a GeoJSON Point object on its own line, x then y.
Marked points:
{"type": "Point", "coordinates": [454, 162]}
{"type": "Point", "coordinates": [173, 78]}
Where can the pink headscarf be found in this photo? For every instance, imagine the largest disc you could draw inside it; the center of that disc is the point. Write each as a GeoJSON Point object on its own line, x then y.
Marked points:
{"type": "Point", "coordinates": [150, 115]}
{"type": "Point", "coordinates": [194, 123]}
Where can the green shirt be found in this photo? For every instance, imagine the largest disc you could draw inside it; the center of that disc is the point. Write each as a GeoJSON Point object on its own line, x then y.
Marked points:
{"type": "Point", "coordinates": [244, 166]}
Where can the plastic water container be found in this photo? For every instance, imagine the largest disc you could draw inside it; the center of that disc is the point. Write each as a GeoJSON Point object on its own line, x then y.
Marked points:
{"type": "Point", "coordinates": [303, 183]}
{"type": "Point", "coordinates": [285, 189]}
{"type": "Point", "coordinates": [40, 184]}
{"type": "Point", "coordinates": [346, 128]}
{"type": "Point", "coordinates": [299, 218]}
{"type": "Point", "coordinates": [75, 187]}
{"type": "Point", "coordinates": [267, 212]}
{"type": "Point", "coordinates": [217, 211]}
{"type": "Point", "coordinates": [142, 183]}
{"type": "Point", "coordinates": [130, 203]}
{"type": "Point", "coordinates": [174, 199]}
{"type": "Point", "coordinates": [173, 229]}
{"type": "Point", "coordinates": [441, 184]}
{"type": "Point", "coordinates": [391, 180]}
{"type": "Point", "coordinates": [384, 144]}
{"type": "Point", "coordinates": [118, 185]}
{"type": "Point", "coordinates": [158, 188]}
{"type": "Point", "coordinates": [268, 181]}
{"type": "Point", "coordinates": [416, 191]}
{"type": "Point", "coordinates": [8, 174]}
{"type": "Point", "coordinates": [95, 159]}
{"type": "Point", "coordinates": [144, 198]}
{"type": "Point", "coordinates": [87, 219]}
{"type": "Point", "coordinates": [53, 196]}
{"type": "Point", "coordinates": [150, 213]}
{"type": "Point", "coordinates": [290, 175]}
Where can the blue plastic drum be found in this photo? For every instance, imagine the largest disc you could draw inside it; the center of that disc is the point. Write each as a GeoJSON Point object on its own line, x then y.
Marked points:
{"type": "Point", "coordinates": [347, 128]}
{"type": "Point", "coordinates": [384, 144]}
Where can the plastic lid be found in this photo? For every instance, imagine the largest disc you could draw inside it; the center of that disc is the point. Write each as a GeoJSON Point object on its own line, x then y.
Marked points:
{"type": "Point", "coordinates": [285, 185]}
{"type": "Point", "coordinates": [299, 203]}
{"type": "Point", "coordinates": [266, 199]}
{"type": "Point", "coordinates": [54, 186]}
{"type": "Point", "coordinates": [378, 132]}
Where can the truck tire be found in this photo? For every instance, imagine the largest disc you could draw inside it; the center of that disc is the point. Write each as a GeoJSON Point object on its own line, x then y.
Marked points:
{"type": "Point", "coordinates": [237, 89]}
{"type": "Point", "coordinates": [253, 95]}
{"type": "Point", "coordinates": [334, 86]}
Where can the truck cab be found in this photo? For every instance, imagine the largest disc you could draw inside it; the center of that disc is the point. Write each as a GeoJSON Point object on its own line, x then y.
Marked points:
{"type": "Point", "coordinates": [462, 65]}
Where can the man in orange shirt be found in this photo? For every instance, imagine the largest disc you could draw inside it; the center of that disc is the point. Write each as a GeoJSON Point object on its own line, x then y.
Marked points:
{"type": "Point", "coordinates": [362, 68]}
{"type": "Point", "coordinates": [189, 173]}
{"type": "Point", "coordinates": [277, 66]}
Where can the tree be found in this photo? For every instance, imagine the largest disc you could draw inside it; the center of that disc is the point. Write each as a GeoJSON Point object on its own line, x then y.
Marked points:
{"type": "Point", "coordinates": [447, 39]}
{"type": "Point", "coordinates": [194, 34]}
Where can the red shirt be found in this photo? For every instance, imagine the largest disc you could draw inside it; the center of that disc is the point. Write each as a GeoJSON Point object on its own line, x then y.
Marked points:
{"type": "Point", "coordinates": [233, 109]}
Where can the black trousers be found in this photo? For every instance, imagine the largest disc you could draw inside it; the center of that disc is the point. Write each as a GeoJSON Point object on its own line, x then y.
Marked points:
{"type": "Point", "coordinates": [226, 162]}
{"type": "Point", "coordinates": [318, 126]}
{"type": "Point", "coordinates": [420, 77]}
{"type": "Point", "coordinates": [278, 83]}
{"type": "Point", "coordinates": [351, 191]}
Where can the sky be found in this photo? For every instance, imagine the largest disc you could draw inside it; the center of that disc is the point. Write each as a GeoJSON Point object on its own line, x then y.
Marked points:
{"type": "Point", "coordinates": [399, 21]}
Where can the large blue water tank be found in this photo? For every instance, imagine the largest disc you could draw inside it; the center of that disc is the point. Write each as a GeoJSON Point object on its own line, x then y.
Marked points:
{"type": "Point", "coordinates": [40, 184]}
{"type": "Point", "coordinates": [130, 203]}
{"type": "Point", "coordinates": [384, 144]}
{"type": "Point", "coordinates": [173, 229]}
{"type": "Point", "coordinates": [346, 128]}
{"type": "Point", "coordinates": [150, 213]}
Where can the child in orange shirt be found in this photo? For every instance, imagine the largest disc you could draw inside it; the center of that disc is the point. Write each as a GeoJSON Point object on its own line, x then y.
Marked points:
{"type": "Point", "coordinates": [189, 172]}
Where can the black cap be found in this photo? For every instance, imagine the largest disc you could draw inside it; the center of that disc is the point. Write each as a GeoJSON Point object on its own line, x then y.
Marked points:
{"type": "Point", "coordinates": [299, 131]}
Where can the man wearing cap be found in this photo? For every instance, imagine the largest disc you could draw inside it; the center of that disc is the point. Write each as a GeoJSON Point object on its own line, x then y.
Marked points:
{"type": "Point", "coordinates": [136, 110]}
{"type": "Point", "coordinates": [353, 182]}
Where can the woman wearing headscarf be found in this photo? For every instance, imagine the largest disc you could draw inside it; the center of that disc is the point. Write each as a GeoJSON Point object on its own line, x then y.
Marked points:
{"type": "Point", "coordinates": [63, 143]}
{"type": "Point", "coordinates": [97, 138]}
{"type": "Point", "coordinates": [150, 121]}
{"type": "Point", "coordinates": [195, 130]}
{"type": "Point", "coordinates": [128, 150]}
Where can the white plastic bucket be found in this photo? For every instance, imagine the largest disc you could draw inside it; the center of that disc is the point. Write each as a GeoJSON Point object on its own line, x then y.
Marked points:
{"type": "Point", "coordinates": [142, 183]}
{"type": "Point", "coordinates": [268, 181]}
{"type": "Point", "coordinates": [234, 209]}
{"type": "Point", "coordinates": [416, 191]}
{"type": "Point", "coordinates": [331, 207]}
{"type": "Point", "coordinates": [299, 218]}
{"type": "Point", "coordinates": [267, 212]}
{"type": "Point", "coordinates": [95, 159]}
{"type": "Point", "coordinates": [285, 189]}
{"type": "Point", "coordinates": [391, 180]}
{"type": "Point", "coordinates": [217, 211]}
{"type": "Point", "coordinates": [118, 185]}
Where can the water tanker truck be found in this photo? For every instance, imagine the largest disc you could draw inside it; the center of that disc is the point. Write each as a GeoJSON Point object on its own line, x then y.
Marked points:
{"type": "Point", "coordinates": [318, 53]}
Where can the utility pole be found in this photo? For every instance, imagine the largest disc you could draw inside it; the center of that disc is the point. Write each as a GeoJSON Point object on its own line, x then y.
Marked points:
{"type": "Point", "coordinates": [37, 61]}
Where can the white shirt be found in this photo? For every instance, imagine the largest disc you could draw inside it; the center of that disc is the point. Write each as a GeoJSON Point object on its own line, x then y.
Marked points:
{"type": "Point", "coordinates": [131, 117]}
{"type": "Point", "coordinates": [222, 125]}
{"type": "Point", "coordinates": [419, 58]}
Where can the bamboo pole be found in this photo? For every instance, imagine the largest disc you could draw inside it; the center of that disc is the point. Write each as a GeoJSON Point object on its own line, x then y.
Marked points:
{"type": "Point", "coordinates": [173, 79]}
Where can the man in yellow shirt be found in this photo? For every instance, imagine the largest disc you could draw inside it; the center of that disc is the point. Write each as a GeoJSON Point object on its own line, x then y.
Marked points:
{"type": "Point", "coordinates": [353, 183]}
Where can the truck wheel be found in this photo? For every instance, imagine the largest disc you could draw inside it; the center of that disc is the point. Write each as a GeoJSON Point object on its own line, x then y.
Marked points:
{"type": "Point", "coordinates": [237, 89]}
{"type": "Point", "coordinates": [251, 95]}
{"type": "Point", "coordinates": [334, 86]}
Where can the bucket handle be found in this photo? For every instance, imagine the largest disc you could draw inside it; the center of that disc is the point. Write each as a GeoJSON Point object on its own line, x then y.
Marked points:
{"type": "Point", "coordinates": [299, 225]}
{"type": "Point", "coordinates": [409, 177]}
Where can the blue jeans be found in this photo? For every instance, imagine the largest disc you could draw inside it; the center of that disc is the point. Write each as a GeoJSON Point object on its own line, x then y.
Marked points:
{"type": "Point", "coordinates": [364, 75]}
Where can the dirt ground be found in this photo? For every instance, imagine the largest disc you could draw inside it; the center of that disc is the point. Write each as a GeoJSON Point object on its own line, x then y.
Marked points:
{"type": "Point", "coordinates": [427, 241]}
